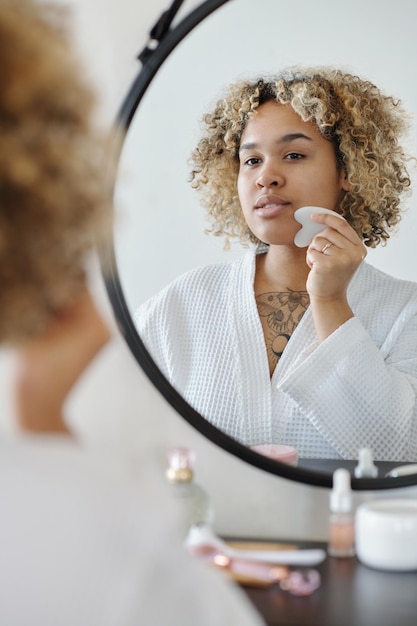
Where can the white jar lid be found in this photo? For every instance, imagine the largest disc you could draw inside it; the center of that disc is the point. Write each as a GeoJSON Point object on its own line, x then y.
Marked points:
{"type": "Point", "coordinates": [386, 534]}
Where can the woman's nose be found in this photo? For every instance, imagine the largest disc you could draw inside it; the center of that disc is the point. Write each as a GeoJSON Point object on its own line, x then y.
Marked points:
{"type": "Point", "coordinates": [268, 178]}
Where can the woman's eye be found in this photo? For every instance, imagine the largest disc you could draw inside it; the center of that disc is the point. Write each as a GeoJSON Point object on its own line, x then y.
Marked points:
{"type": "Point", "coordinates": [293, 156]}
{"type": "Point", "coordinates": [252, 161]}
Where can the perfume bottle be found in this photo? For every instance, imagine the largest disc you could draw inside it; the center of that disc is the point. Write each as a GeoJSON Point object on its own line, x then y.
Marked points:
{"type": "Point", "coordinates": [341, 527]}
{"type": "Point", "coordinates": [194, 501]}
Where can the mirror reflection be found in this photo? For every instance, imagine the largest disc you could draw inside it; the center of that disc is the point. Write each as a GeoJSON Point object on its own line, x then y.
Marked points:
{"type": "Point", "coordinates": [278, 344]}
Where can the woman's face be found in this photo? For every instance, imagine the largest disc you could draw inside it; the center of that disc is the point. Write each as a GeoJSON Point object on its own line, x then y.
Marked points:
{"type": "Point", "coordinates": [285, 164]}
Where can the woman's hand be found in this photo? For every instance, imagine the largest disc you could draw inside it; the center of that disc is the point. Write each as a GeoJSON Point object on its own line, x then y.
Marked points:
{"type": "Point", "coordinates": [333, 256]}
{"type": "Point", "coordinates": [49, 365]}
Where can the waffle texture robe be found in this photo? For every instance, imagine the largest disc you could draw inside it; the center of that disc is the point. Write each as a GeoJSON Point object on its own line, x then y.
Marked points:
{"type": "Point", "coordinates": [356, 389]}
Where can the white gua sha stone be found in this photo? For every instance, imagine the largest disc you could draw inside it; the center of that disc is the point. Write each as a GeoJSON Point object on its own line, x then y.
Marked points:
{"type": "Point", "coordinates": [309, 228]}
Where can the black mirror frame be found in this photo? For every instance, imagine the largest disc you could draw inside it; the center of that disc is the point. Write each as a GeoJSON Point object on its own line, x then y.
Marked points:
{"type": "Point", "coordinates": [152, 57]}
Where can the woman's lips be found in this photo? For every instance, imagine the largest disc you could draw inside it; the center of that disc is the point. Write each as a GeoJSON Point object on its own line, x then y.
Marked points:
{"type": "Point", "coordinates": [270, 206]}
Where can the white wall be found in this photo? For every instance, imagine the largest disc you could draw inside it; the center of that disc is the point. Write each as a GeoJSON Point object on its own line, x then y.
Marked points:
{"type": "Point", "coordinates": [114, 404]}
{"type": "Point", "coordinates": [377, 44]}
{"type": "Point", "coordinates": [157, 209]}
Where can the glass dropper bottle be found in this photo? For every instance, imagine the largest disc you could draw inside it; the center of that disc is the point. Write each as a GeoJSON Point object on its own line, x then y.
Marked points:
{"type": "Point", "coordinates": [193, 499]}
{"type": "Point", "coordinates": [341, 526]}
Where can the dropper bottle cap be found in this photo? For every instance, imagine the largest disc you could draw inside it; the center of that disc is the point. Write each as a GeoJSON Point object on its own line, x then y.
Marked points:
{"type": "Point", "coordinates": [341, 494]}
{"type": "Point", "coordinates": [366, 467]}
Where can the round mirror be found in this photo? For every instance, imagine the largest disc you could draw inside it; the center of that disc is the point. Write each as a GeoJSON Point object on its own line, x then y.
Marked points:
{"type": "Point", "coordinates": [159, 226]}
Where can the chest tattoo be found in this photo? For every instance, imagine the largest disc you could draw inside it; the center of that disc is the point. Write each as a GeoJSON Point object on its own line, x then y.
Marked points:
{"type": "Point", "coordinates": [280, 313]}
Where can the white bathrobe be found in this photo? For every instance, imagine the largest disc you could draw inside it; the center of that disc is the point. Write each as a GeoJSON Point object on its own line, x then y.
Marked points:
{"type": "Point", "coordinates": [356, 389]}
{"type": "Point", "coordinates": [83, 546]}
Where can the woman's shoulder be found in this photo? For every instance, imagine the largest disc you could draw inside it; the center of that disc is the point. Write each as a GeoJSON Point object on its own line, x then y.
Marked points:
{"type": "Point", "coordinates": [381, 287]}
{"type": "Point", "coordinates": [195, 287]}
{"type": "Point", "coordinates": [203, 275]}
{"type": "Point", "coordinates": [385, 281]}
{"type": "Point", "coordinates": [200, 280]}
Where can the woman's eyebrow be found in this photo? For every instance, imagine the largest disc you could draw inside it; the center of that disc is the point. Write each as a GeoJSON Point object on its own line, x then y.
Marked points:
{"type": "Point", "coordinates": [284, 139]}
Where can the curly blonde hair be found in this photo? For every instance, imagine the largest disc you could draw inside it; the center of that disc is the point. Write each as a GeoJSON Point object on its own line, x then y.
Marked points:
{"type": "Point", "coordinates": [362, 123]}
{"type": "Point", "coordinates": [53, 192]}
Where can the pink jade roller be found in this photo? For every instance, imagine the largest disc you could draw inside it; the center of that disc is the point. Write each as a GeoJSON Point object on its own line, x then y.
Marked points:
{"type": "Point", "coordinates": [257, 567]}
{"type": "Point", "coordinates": [258, 573]}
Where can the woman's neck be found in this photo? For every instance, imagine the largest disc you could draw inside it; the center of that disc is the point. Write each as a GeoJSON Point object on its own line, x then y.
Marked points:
{"type": "Point", "coordinates": [281, 268]}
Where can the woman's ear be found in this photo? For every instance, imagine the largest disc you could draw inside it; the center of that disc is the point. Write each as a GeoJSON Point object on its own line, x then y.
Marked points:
{"type": "Point", "coordinates": [344, 180]}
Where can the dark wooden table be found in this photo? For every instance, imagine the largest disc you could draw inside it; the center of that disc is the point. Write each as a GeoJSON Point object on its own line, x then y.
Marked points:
{"type": "Point", "coordinates": [351, 594]}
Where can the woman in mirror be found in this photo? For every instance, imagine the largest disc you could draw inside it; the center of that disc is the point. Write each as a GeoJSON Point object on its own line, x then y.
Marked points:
{"type": "Point", "coordinates": [78, 544]}
{"type": "Point", "coordinates": [306, 346]}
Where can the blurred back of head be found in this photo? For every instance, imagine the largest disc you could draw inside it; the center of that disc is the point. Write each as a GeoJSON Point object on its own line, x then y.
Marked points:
{"type": "Point", "coordinates": [53, 190]}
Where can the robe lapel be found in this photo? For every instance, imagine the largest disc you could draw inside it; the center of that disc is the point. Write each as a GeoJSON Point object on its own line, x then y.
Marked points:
{"type": "Point", "coordinates": [252, 370]}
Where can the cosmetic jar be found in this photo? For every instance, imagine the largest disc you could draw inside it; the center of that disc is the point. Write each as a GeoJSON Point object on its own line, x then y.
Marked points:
{"type": "Point", "coordinates": [281, 453]}
{"type": "Point", "coordinates": [386, 534]}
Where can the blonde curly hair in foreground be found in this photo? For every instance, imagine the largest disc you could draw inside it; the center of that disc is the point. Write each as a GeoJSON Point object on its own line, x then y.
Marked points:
{"type": "Point", "coordinates": [362, 123]}
{"type": "Point", "coordinates": [52, 187]}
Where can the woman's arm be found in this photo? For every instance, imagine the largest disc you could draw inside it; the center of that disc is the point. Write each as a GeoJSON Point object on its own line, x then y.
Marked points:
{"type": "Point", "coordinates": [357, 395]}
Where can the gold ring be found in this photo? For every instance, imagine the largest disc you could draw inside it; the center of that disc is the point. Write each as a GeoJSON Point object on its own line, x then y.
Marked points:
{"type": "Point", "coordinates": [326, 247]}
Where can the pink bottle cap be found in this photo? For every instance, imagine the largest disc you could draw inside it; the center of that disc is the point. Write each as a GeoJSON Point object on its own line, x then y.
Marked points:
{"type": "Point", "coordinates": [181, 458]}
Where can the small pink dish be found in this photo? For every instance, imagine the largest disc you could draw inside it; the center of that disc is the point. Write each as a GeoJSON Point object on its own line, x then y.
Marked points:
{"type": "Point", "coordinates": [278, 452]}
